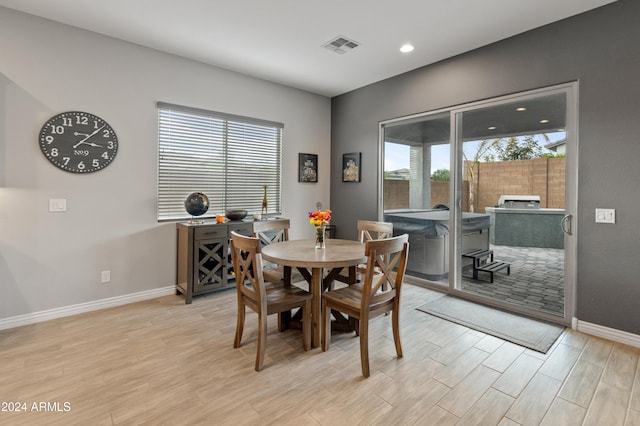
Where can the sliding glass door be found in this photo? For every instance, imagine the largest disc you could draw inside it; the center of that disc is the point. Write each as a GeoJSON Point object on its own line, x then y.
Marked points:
{"type": "Point", "coordinates": [417, 193]}
{"type": "Point", "coordinates": [486, 192]}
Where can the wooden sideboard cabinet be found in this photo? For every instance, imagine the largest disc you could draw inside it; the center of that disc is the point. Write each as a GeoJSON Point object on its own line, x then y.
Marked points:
{"type": "Point", "coordinates": [204, 261]}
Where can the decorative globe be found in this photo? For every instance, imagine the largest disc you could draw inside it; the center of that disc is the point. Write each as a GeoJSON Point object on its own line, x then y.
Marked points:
{"type": "Point", "coordinates": [196, 204]}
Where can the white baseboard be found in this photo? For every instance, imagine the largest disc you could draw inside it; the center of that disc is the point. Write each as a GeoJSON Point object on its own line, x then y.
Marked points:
{"type": "Point", "coordinates": [607, 333]}
{"type": "Point", "coordinates": [66, 311]}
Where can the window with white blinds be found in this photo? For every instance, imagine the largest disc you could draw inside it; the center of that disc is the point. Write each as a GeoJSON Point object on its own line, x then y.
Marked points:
{"type": "Point", "coordinates": [228, 158]}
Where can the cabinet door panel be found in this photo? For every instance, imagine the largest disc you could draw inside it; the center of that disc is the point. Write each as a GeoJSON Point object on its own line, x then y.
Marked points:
{"type": "Point", "coordinates": [210, 261]}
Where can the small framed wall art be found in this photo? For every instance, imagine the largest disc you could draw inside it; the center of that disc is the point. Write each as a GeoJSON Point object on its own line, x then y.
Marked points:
{"type": "Point", "coordinates": [307, 167]}
{"type": "Point", "coordinates": [351, 167]}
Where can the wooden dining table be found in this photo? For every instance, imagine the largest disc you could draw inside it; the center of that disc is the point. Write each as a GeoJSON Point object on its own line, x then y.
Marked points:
{"type": "Point", "coordinates": [319, 267]}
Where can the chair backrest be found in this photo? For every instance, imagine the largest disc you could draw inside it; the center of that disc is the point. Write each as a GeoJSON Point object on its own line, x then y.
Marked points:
{"type": "Point", "coordinates": [371, 230]}
{"type": "Point", "coordinates": [271, 231]}
{"type": "Point", "coordinates": [386, 265]}
{"type": "Point", "coordinates": [247, 266]}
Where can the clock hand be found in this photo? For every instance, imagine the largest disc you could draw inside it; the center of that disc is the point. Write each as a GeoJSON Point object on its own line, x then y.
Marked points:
{"type": "Point", "coordinates": [93, 144]}
{"type": "Point", "coordinates": [83, 140]}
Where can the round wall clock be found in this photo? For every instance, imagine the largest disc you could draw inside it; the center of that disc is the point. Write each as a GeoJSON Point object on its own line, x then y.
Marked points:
{"type": "Point", "coordinates": [78, 142]}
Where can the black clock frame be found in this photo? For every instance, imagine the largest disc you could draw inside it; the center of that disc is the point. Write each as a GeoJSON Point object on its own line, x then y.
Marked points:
{"type": "Point", "coordinates": [78, 142]}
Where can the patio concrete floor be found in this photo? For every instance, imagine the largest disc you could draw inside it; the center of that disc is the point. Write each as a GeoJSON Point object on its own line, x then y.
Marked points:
{"type": "Point", "coordinates": [536, 279]}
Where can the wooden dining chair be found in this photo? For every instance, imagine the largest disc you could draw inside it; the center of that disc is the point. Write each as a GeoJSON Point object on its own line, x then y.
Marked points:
{"type": "Point", "coordinates": [367, 230]}
{"type": "Point", "coordinates": [370, 298]}
{"type": "Point", "coordinates": [372, 230]}
{"type": "Point", "coordinates": [269, 232]}
{"type": "Point", "coordinates": [264, 300]}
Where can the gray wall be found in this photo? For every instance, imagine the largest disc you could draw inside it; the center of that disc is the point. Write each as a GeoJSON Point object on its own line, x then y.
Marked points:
{"type": "Point", "coordinates": [50, 261]}
{"type": "Point", "coordinates": [601, 50]}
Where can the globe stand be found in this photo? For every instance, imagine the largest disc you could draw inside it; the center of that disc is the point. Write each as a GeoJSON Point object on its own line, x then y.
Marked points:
{"type": "Point", "coordinates": [195, 221]}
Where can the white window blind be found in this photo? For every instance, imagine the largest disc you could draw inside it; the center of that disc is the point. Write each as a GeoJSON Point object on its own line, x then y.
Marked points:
{"type": "Point", "coordinates": [228, 158]}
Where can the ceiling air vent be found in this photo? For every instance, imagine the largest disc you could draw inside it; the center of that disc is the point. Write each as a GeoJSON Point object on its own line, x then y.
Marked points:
{"type": "Point", "coordinates": [341, 45]}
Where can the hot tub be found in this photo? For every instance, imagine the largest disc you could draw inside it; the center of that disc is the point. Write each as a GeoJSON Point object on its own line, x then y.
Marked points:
{"type": "Point", "coordinates": [429, 238]}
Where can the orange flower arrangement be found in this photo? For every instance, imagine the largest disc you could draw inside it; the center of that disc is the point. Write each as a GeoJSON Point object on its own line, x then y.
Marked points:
{"type": "Point", "coordinates": [318, 218]}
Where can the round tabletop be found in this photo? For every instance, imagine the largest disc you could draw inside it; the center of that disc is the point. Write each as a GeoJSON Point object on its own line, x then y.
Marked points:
{"type": "Point", "coordinates": [302, 253]}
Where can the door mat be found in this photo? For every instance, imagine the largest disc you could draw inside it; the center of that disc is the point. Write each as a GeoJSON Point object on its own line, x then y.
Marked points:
{"type": "Point", "coordinates": [532, 334]}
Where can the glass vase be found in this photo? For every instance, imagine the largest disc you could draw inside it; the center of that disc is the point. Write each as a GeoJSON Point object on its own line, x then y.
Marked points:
{"type": "Point", "coordinates": [320, 235]}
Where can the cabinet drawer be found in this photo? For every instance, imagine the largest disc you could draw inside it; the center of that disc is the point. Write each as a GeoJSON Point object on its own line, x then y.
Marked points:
{"type": "Point", "coordinates": [245, 228]}
{"type": "Point", "coordinates": [203, 232]}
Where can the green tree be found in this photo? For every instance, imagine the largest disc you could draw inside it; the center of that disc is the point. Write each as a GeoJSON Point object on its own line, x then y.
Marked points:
{"type": "Point", "coordinates": [440, 175]}
{"type": "Point", "coordinates": [553, 155]}
{"type": "Point", "coordinates": [519, 148]}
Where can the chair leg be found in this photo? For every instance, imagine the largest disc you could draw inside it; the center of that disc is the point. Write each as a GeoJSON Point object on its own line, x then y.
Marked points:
{"type": "Point", "coordinates": [326, 326]}
{"type": "Point", "coordinates": [355, 325]}
{"type": "Point", "coordinates": [395, 324]}
{"type": "Point", "coordinates": [262, 340]}
{"type": "Point", "coordinates": [239, 325]}
{"type": "Point", "coordinates": [364, 346]}
{"type": "Point", "coordinates": [306, 325]}
{"type": "Point", "coordinates": [284, 318]}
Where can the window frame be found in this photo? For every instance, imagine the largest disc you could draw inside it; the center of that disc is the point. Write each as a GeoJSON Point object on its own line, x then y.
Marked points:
{"type": "Point", "coordinates": [203, 151]}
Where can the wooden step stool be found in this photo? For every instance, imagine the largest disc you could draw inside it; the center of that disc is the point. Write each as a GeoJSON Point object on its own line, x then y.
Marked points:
{"type": "Point", "coordinates": [483, 261]}
{"type": "Point", "coordinates": [492, 267]}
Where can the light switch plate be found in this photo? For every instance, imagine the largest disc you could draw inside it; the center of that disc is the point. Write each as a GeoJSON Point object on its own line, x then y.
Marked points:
{"type": "Point", "coordinates": [605, 215]}
{"type": "Point", "coordinates": [58, 205]}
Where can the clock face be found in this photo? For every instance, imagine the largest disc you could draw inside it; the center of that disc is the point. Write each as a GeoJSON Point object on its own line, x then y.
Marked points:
{"type": "Point", "coordinates": [78, 142]}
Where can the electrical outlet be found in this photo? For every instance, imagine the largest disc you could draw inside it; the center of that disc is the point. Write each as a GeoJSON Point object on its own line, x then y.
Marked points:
{"type": "Point", "coordinates": [58, 205]}
{"type": "Point", "coordinates": [105, 277]}
{"type": "Point", "coordinates": [605, 216]}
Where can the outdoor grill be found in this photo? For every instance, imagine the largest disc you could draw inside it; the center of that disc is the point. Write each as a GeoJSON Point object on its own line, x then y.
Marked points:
{"type": "Point", "coordinates": [519, 202]}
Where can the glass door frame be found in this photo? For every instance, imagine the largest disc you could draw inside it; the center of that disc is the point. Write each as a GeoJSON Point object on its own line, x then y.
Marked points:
{"type": "Point", "coordinates": [456, 177]}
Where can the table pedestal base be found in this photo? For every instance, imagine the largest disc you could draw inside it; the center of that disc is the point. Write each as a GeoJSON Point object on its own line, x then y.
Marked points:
{"type": "Point", "coordinates": [318, 284]}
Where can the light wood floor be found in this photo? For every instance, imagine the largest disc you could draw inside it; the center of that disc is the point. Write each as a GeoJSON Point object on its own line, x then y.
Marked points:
{"type": "Point", "coordinates": [164, 362]}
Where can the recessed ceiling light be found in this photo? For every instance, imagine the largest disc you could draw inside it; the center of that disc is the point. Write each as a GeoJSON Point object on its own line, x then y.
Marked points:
{"type": "Point", "coordinates": [492, 128]}
{"type": "Point", "coordinates": [521, 109]}
{"type": "Point", "coordinates": [406, 48]}
{"type": "Point", "coordinates": [544, 121]}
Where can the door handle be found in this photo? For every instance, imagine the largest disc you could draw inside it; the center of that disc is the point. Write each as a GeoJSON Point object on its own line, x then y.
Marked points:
{"type": "Point", "coordinates": [565, 224]}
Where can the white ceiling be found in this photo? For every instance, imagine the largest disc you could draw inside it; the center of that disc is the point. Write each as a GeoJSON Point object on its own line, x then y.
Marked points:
{"type": "Point", "coordinates": [281, 40]}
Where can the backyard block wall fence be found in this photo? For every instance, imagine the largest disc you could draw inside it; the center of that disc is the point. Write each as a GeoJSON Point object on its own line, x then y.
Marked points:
{"type": "Point", "coordinates": [544, 177]}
